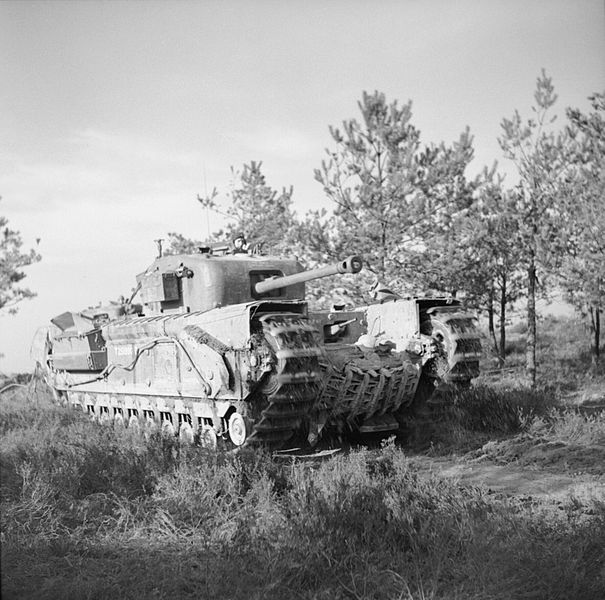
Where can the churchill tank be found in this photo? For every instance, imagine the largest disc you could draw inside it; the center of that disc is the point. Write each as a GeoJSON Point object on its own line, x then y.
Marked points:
{"type": "Point", "coordinates": [223, 347]}
{"type": "Point", "coordinates": [220, 347]}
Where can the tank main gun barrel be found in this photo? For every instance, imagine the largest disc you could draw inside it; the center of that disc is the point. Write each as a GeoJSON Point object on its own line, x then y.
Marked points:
{"type": "Point", "coordinates": [351, 264]}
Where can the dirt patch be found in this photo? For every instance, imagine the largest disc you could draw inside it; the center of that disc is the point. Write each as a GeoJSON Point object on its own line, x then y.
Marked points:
{"type": "Point", "coordinates": [515, 480]}
{"type": "Point", "coordinates": [527, 466]}
{"type": "Point", "coordinates": [543, 454]}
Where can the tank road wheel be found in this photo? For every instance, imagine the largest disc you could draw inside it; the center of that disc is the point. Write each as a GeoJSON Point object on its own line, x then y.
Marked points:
{"type": "Point", "coordinates": [150, 422]}
{"type": "Point", "coordinates": [186, 435]}
{"type": "Point", "coordinates": [208, 438]}
{"type": "Point", "coordinates": [134, 424]}
{"type": "Point", "coordinates": [237, 429]}
{"type": "Point", "coordinates": [168, 429]}
{"type": "Point", "coordinates": [59, 396]}
{"type": "Point", "coordinates": [150, 426]}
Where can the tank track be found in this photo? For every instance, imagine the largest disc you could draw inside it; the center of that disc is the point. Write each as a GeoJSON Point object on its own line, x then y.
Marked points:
{"type": "Point", "coordinates": [458, 341]}
{"type": "Point", "coordinates": [291, 389]}
{"type": "Point", "coordinates": [360, 386]}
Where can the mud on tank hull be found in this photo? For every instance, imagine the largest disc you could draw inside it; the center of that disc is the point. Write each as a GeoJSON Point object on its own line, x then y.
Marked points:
{"type": "Point", "coordinates": [173, 372]}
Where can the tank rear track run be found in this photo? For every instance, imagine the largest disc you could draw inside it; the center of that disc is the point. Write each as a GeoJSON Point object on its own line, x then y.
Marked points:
{"type": "Point", "coordinates": [458, 344]}
{"type": "Point", "coordinates": [374, 382]}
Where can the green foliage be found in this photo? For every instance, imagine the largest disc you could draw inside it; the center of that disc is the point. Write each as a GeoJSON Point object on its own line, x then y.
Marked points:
{"type": "Point", "coordinates": [500, 411]}
{"type": "Point", "coordinates": [179, 244]}
{"type": "Point", "coordinates": [12, 261]}
{"type": "Point", "coordinates": [492, 280]}
{"type": "Point", "coordinates": [262, 214]}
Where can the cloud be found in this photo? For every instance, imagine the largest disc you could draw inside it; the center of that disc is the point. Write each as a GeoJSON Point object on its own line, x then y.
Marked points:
{"type": "Point", "coordinates": [93, 166]}
{"type": "Point", "coordinates": [273, 143]}
{"type": "Point", "coordinates": [117, 147]}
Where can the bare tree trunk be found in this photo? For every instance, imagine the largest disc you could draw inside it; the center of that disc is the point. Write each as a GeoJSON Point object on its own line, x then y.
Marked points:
{"type": "Point", "coordinates": [531, 323]}
{"type": "Point", "coordinates": [503, 319]}
{"type": "Point", "coordinates": [595, 334]}
{"type": "Point", "coordinates": [490, 323]}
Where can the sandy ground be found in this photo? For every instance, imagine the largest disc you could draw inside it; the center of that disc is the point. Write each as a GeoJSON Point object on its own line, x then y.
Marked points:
{"type": "Point", "coordinates": [515, 479]}
{"type": "Point", "coordinates": [528, 466]}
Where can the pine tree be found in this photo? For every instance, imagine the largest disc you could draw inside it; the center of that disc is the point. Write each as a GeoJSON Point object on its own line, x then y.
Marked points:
{"type": "Point", "coordinates": [538, 154]}
{"type": "Point", "coordinates": [263, 215]}
{"type": "Point", "coordinates": [12, 261]}
{"type": "Point", "coordinates": [495, 280]}
{"type": "Point", "coordinates": [584, 268]}
{"type": "Point", "coordinates": [390, 195]}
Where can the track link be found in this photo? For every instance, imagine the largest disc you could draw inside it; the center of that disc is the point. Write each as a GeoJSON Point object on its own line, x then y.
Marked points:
{"type": "Point", "coordinates": [360, 386]}
{"type": "Point", "coordinates": [458, 341]}
{"type": "Point", "coordinates": [291, 390]}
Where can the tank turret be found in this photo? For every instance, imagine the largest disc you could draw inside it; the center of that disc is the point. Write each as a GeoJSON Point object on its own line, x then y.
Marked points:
{"type": "Point", "coordinates": [202, 282]}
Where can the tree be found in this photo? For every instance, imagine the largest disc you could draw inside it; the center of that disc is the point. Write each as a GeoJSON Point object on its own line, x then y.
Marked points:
{"type": "Point", "coordinates": [390, 195]}
{"type": "Point", "coordinates": [179, 244]}
{"type": "Point", "coordinates": [12, 261]}
{"type": "Point", "coordinates": [538, 154]}
{"type": "Point", "coordinates": [495, 280]}
{"type": "Point", "coordinates": [584, 268]}
{"type": "Point", "coordinates": [262, 214]}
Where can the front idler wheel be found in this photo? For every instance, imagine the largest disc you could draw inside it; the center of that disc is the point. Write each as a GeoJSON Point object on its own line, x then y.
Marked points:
{"type": "Point", "coordinates": [237, 429]}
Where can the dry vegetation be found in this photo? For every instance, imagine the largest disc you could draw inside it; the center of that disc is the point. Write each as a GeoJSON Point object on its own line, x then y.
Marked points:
{"type": "Point", "coordinates": [92, 512]}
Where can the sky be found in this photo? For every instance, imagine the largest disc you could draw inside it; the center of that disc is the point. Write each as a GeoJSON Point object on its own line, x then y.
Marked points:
{"type": "Point", "coordinates": [115, 115]}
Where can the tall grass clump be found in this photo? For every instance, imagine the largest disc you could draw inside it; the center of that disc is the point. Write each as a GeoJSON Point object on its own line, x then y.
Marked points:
{"type": "Point", "coordinates": [499, 411]}
{"type": "Point", "coordinates": [470, 417]}
{"type": "Point", "coordinates": [89, 511]}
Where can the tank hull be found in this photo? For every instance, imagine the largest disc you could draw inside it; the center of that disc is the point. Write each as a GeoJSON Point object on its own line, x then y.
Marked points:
{"type": "Point", "coordinates": [174, 372]}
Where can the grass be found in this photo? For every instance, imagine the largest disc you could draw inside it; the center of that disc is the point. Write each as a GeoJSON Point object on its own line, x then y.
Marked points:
{"type": "Point", "coordinates": [92, 512]}
{"type": "Point", "coordinates": [564, 366]}
{"type": "Point", "coordinates": [471, 417]}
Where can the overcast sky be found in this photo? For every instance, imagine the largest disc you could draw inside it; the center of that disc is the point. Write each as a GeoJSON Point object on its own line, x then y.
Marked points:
{"type": "Point", "coordinates": [115, 115]}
